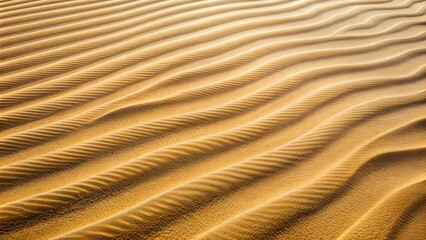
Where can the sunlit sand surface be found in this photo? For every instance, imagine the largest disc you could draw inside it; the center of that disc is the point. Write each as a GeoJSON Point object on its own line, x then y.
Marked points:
{"type": "Point", "coordinates": [215, 119]}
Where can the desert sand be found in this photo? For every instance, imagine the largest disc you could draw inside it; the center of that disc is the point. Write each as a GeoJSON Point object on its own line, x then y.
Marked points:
{"type": "Point", "coordinates": [215, 119]}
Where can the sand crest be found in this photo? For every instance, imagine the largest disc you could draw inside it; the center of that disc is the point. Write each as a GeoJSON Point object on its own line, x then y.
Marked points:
{"type": "Point", "coordinates": [215, 119]}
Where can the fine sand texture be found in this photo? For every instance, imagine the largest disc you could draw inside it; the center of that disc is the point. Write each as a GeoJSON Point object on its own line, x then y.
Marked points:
{"type": "Point", "coordinates": [213, 119]}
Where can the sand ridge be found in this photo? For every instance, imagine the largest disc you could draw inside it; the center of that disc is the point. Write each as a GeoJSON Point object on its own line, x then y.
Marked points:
{"type": "Point", "coordinates": [213, 119]}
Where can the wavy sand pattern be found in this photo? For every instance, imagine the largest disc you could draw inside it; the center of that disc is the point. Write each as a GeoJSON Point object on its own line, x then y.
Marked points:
{"type": "Point", "coordinates": [213, 119]}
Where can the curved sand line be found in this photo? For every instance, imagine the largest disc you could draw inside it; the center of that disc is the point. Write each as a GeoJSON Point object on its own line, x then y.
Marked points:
{"type": "Point", "coordinates": [109, 106]}
{"type": "Point", "coordinates": [136, 218]}
{"type": "Point", "coordinates": [212, 119]}
{"type": "Point", "coordinates": [88, 150]}
{"type": "Point", "coordinates": [218, 32]}
{"type": "Point", "coordinates": [46, 88]}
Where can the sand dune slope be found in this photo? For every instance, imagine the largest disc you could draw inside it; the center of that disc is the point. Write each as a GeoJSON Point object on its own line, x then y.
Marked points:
{"type": "Point", "coordinates": [213, 119]}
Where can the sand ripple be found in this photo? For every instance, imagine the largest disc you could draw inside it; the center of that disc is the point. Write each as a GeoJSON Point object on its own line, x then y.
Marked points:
{"type": "Point", "coordinates": [213, 119]}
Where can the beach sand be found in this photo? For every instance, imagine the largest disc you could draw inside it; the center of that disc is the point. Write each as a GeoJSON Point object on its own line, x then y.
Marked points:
{"type": "Point", "coordinates": [215, 119]}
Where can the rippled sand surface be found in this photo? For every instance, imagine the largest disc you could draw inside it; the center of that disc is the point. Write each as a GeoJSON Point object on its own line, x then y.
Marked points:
{"type": "Point", "coordinates": [214, 119]}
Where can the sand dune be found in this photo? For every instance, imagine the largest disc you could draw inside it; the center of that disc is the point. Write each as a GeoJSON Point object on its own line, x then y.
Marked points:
{"type": "Point", "coordinates": [213, 119]}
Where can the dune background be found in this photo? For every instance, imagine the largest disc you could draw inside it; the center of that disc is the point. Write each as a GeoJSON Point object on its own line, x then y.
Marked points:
{"type": "Point", "coordinates": [215, 119]}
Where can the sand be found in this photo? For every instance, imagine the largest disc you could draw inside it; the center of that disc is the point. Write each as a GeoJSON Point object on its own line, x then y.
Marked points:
{"type": "Point", "coordinates": [216, 119]}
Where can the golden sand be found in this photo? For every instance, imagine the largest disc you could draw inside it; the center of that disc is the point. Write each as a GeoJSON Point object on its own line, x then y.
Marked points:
{"type": "Point", "coordinates": [215, 119]}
